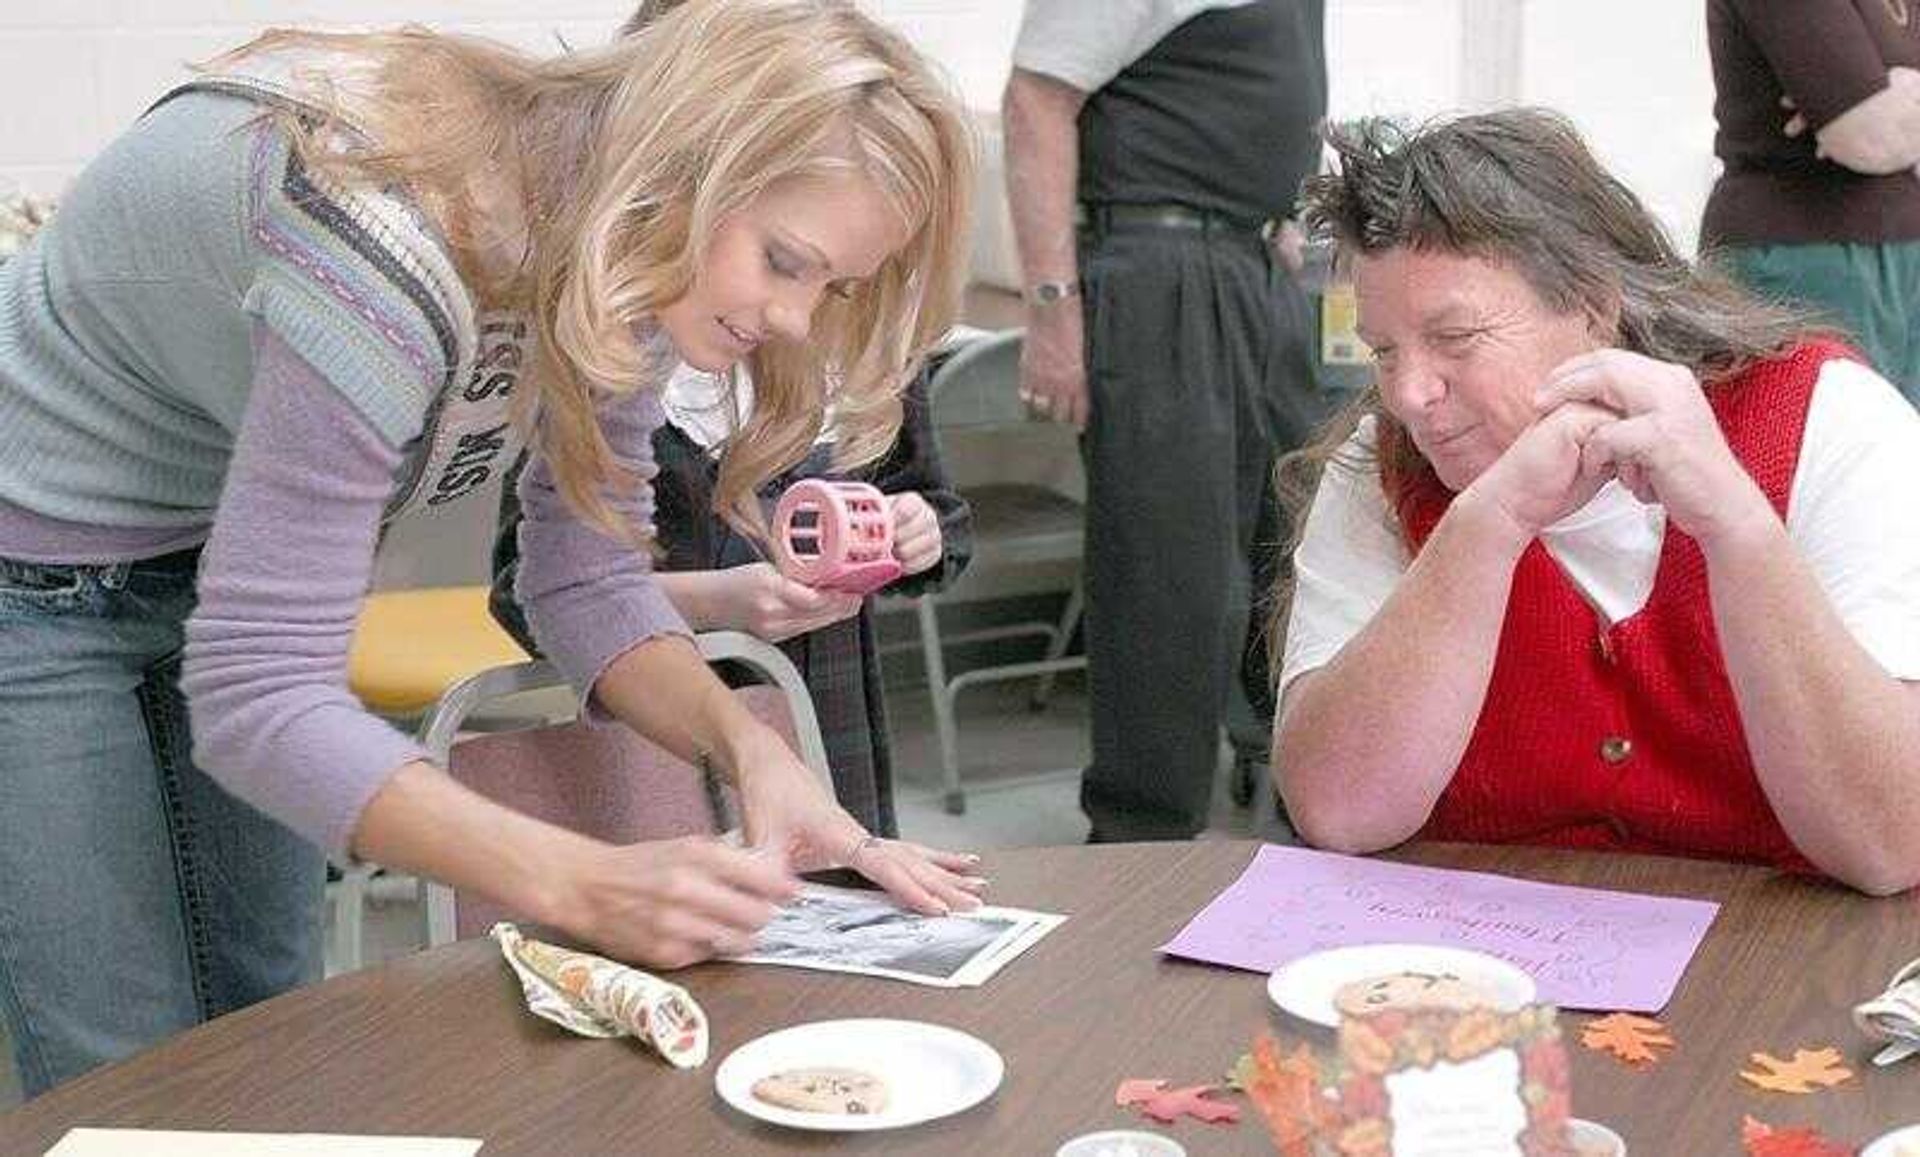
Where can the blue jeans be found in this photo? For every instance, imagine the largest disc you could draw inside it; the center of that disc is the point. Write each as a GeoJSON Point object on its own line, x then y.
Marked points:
{"type": "Point", "coordinates": [137, 898]}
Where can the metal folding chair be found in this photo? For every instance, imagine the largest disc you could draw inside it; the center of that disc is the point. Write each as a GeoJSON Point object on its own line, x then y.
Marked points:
{"type": "Point", "coordinates": [1025, 522]}
{"type": "Point", "coordinates": [605, 781]}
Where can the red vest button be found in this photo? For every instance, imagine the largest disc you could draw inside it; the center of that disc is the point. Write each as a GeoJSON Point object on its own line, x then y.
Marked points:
{"type": "Point", "coordinates": [1616, 749]}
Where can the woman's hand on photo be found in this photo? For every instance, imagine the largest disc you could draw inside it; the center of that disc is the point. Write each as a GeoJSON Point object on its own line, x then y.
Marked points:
{"type": "Point", "coordinates": [671, 903]}
{"type": "Point", "coordinates": [917, 544]}
{"type": "Point", "coordinates": [928, 880]}
{"type": "Point", "coordinates": [758, 599]}
{"type": "Point", "coordinates": [789, 811]}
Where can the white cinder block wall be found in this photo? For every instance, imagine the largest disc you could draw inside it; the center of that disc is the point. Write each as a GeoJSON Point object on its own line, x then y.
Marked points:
{"type": "Point", "coordinates": [73, 72]}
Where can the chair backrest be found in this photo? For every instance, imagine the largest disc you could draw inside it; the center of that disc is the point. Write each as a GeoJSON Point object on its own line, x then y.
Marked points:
{"type": "Point", "coordinates": [978, 384]}
{"type": "Point", "coordinates": [605, 781]}
{"type": "Point", "coordinates": [985, 433]}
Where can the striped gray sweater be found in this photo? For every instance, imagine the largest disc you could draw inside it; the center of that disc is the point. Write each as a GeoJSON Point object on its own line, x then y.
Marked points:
{"type": "Point", "coordinates": [207, 344]}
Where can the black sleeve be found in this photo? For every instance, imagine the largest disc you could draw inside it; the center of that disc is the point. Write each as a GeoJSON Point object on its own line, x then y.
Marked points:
{"type": "Point", "coordinates": [913, 465]}
{"type": "Point", "coordinates": [1821, 51]}
{"type": "Point", "coordinates": [506, 562]}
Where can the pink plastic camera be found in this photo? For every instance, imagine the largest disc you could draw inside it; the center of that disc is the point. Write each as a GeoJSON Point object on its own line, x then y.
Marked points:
{"type": "Point", "coordinates": [835, 536]}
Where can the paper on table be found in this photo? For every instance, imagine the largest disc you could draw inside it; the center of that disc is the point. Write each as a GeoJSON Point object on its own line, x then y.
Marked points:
{"type": "Point", "coordinates": [152, 1143]}
{"type": "Point", "coordinates": [1586, 948]}
{"type": "Point", "coordinates": [866, 932]}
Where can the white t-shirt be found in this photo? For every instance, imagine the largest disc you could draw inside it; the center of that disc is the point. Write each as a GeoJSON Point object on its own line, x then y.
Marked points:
{"type": "Point", "coordinates": [1086, 43]}
{"type": "Point", "coordinates": [1853, 513]}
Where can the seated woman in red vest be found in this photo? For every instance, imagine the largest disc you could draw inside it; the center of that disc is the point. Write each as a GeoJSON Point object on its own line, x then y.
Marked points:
{"type": "Point", "coordinates": [1613, 556]}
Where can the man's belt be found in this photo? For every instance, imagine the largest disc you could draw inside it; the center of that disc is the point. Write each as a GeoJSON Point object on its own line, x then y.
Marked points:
{"type": "Point", "coordinates": [1111, 217]}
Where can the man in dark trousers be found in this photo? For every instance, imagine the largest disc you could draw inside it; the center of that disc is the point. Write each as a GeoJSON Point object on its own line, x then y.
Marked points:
{"type": "Point", "coordinates": [1154, 147]}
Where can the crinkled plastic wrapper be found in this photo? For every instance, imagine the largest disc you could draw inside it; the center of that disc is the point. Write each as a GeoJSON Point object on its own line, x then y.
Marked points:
{"type": "Point", "coordinates": [1894, 1016]}
{"type": "Point", "coordinates": [597, 997]}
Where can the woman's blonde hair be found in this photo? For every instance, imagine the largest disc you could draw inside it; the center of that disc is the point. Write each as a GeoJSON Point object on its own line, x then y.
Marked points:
{"type": "Point", "coordinates": [628, 158]}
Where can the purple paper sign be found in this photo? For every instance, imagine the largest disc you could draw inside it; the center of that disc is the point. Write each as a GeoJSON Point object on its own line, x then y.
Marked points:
{"type": "Point", "coordinates": [1584, 947]}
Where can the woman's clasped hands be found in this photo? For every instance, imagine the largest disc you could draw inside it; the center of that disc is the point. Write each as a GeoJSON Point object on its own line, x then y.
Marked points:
{"type": "Point", "coordinates": [1609, 414]}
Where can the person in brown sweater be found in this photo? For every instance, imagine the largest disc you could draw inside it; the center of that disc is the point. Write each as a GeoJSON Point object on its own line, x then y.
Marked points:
{"type": "Point", "coordinates": [1818, 106]}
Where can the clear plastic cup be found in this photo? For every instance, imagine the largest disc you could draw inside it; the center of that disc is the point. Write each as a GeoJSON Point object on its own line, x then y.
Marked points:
{"type": "Point", "coordinates": [1592, 1139]}
{"type": "Point", "coordinates": [1121, 1143]}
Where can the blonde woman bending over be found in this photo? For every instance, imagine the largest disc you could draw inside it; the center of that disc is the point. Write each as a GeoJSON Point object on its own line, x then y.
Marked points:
{"type": "Point", "coordinates": [321, 288]}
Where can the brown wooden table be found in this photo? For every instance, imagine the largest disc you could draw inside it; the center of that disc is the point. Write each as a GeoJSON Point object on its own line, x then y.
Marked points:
{"type": "Point", "coordinates": [439, 1043]}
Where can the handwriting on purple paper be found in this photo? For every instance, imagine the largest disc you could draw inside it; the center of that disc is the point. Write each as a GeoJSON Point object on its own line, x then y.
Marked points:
{"type": "Point", "coordinates": [1584, 947]}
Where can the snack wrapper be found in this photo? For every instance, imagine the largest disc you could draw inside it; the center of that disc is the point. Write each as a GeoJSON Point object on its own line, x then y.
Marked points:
{"type": "Point", "coordinates": [597, 997]}
{"type": "Point", "coordinates": [1894, 1016]}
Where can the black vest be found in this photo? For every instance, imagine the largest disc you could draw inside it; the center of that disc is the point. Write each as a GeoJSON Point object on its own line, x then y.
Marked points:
{"type": "Point", "coordinates": [1222, 115]}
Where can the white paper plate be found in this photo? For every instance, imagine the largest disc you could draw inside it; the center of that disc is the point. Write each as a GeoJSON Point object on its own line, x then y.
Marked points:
{"type": "Point", "coordinates": [1305, 987]}
{"type": "Point", "coordinates": [931, 1071]}
{"type": "Point", "coordinates": [1891, 1144]}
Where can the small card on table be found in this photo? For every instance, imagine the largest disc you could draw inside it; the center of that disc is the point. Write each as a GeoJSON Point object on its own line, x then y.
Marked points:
{"type": "Point", "coordinates": [1435, 1082]}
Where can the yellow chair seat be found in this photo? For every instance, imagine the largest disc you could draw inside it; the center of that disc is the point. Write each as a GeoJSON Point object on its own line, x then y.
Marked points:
{"type": "Point", "coordinates": [412, 645]}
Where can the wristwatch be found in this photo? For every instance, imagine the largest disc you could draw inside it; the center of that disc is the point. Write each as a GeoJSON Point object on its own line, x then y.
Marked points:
{"type": "Point", "coordinates": [1051, 292]}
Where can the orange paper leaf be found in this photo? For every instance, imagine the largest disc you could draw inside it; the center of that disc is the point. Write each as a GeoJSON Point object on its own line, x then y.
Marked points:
{"type": "Point", "coordinates": [1629, 1038]}
{"type": "Point", "coordinates": [1809, 1069]}
{"type": "Point", "coordinates": [1762, 1140]}
{"type": "Point", "coordinates": [1287, 1092]}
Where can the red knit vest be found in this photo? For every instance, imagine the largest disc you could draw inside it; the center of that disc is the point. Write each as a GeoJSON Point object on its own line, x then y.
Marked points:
{"type": "Point", "coordinates": [1627, 738]}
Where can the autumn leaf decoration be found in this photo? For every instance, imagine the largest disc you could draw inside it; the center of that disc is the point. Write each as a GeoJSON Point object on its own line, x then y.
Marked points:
{"type": "Point", "coordinates": [1169, 1105]}
{"type": "Point", "coordinates": [1287, 1091]}
{"type": "Point", "coordinates": [1134, 1090]}
{"type": "Point", "coordinates": [1809, 1069]}
{"type": "Point", "coordinates": [1759, 1139]}
{"type": "Point", "coordinates": [1628, 1038]}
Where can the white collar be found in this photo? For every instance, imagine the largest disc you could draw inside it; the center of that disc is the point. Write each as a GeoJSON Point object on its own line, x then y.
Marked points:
{"type": "Point", "coordinates": [705, 407]}
{"type": "Point", "coordinates": [709, 411]}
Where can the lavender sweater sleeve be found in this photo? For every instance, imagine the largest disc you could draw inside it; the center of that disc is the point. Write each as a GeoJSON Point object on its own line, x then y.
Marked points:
{"type": "Point", "coordinates": [282, 580]}
{"type": "Point", "coordinates": [589, 597]}
{"type": "Point", "coordinates": [287, 567]}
